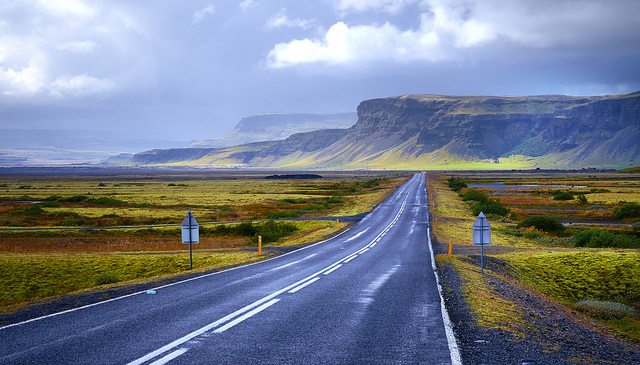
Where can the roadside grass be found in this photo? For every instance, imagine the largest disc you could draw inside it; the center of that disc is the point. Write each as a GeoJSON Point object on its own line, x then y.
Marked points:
{"type": "Point", "coordinates": [25, 278]}
{"type": "Point", "coordinates": [488, 307]}
{"type": "Point", "coordinates": [77, 260]}
{"type": "Point", "coordinates": [549, 265]}
{"type": "Point", "coordinates": [569, 276]}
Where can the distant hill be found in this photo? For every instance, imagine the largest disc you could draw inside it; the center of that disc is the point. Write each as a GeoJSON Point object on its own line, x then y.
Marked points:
{"type": "Point", "coordinates": [449, 132]}
{"type": "Point", "coordinates": [62, 146]}
{"type": "Point", "coordinates": [277, 126]}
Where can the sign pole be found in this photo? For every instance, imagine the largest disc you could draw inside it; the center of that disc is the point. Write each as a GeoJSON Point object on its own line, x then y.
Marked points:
{"type": "Point", "coordinates": [190, 241]}
{"type": "Point", "coordinates": [482, 245]}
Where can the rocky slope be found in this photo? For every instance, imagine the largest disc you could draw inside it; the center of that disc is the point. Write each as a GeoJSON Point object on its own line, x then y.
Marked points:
{"type": "Point", "coordinates": [434, 131]}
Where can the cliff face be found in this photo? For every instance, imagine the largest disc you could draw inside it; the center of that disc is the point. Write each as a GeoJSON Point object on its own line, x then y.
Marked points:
{"type": "Point", "coordinates": [422, 131]}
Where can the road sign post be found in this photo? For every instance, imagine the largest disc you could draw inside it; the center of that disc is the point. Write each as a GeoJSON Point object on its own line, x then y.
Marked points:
{"type": "Point", "coordinates": [190, 233]}
{"type": "Point", "coordinates": [481, 236]}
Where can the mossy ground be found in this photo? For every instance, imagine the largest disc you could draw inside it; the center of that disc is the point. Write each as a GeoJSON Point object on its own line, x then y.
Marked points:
{"type": "Point", "coordinates": [546, 263]}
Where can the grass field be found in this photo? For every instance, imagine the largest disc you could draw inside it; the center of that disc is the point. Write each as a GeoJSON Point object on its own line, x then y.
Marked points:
{"type": "Point", "coordinates": [45, 263]}
{"type": "Point", "coordinates": [547, 262]}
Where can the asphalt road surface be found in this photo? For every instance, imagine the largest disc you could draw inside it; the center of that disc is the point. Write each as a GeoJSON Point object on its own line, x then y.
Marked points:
{"type": "Point", "coordinates": [367, 296]}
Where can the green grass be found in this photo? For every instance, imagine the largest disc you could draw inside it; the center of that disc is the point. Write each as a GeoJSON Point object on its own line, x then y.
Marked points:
{"type": "Point", "coordinates": [29, 277]}
{"type": "Point", "coordinates": [570, 276]}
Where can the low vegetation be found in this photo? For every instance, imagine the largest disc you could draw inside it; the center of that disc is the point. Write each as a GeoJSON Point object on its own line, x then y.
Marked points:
{"type": "Point", "coordinates": [592, 269]}
{"type": "Point", "coordinates": [44, 263]}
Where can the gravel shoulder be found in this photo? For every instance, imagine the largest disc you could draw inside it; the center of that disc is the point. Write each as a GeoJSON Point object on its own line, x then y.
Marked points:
{"type": "Point", "coordinates": [554, 334]}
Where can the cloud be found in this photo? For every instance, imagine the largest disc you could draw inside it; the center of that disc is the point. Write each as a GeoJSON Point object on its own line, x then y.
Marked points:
{"type": "Point", "coordinates": [78, 46]}
{"type": "Point", "coordinates": [459, 29]}
{"type": "Point", "coordinates": [80, 86]}
{"type": "Point", "coordinates": [247, 4]}
{"type": "Point", "coordinates": [390, 6]}
{"type": "Point", "coordinates": [282, 20]}
{"type": "Point", "coordinates": [360, 44]}
{"type": "Point", "coordinates": [198, 15]}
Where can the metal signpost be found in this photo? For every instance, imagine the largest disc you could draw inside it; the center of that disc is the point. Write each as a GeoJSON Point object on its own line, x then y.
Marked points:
{"type": "Point", "coordinates": [481, 236]}
{"type": "Point", "coordinates": [190, 233]}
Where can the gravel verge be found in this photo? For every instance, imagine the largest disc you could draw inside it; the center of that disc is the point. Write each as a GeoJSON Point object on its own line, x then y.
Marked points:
{"type": "Point", "coordinates": [554, 335]}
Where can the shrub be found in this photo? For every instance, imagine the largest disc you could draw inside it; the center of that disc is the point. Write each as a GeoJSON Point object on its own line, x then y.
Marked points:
{"type": "Point", "coordinates": [34, 209]}
{"type": "Point", "coordinates": [582, 199]}
{"type": "Point", "coordinates": [456, 184]}
{"type": "Point", "coordinates": [272, 231]}
{"type": "Point", "coordinates": [44, 234]}
{"type": "Point", "coordinates": [293, 201]}
{"type": "Point", "coordinates": [75, 199]}
{"type": "Point", "coordinates": [475, 195]}
{"type": "Point", "coordinates": [246, 229]}
{"type": "Point", "coordinates": [106, 201]}
{"type": "Point", "coordinates": [562, 195]}
{"type": "Point", "coordinates": [628, 211]}
{"type": "Point", "coordinates": [600, 238]}
{"type": "Point", "coordinates": [490, 207]}
{"type": "Point", "coordinates": [604, 309]}
{"type": "Point", "coordinates": [105, 278]}
{"type": "Point", "coordinates": [285, 214]}
{"type": "Point", "coordinates": [542, 223]}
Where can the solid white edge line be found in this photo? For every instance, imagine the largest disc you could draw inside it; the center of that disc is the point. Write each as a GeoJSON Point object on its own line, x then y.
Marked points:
{"type": "Point", "coordinates": [246, 316]}
{"type": "Point", "coordinates": [166, 286]}
{"type": "Point", "coordinates": [170, 357]}
{"type": "Point", "coordinates": [448, 328]}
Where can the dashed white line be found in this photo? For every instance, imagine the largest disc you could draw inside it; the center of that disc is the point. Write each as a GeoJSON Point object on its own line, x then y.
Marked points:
{"type": "Point", "coordinates": [170, 357]}
{"type": "Point", "coordinates": [248, 315]}
{"type": "Point", "coordinates": [304, 285]}
{"type": "Point", "coordinates": [333, 269]}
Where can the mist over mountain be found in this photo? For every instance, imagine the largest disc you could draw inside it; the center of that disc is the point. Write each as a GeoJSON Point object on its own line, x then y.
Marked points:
{"type": "Point", "coordinates": [435, 131]}
{"type": "Point", "coordinates": [72, 146]}
{"type": "Point", "coordinates": [277, 126]}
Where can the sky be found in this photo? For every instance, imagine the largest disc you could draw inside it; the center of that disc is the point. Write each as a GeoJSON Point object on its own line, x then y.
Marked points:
{"type": "Point", "coordinates": [184, 70]}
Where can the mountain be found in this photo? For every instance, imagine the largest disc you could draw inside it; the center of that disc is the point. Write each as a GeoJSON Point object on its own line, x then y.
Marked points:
{"type": "Point", "coordinates": [447, 132]}
{"type": "Point", "coordinates": [277, 126]}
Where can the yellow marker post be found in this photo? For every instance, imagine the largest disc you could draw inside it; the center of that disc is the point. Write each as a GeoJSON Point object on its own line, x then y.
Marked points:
{"type": "Point", "coordinates": [436, 223]}
{"type": "Point", "coordinates": [259, 245]}
{"type": "Point", "coordinates": [450, 246]}
{"type": "Point", "coordinates": [337, 223]}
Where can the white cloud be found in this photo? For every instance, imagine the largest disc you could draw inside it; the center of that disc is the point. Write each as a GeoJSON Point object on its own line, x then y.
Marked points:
{"type": "Point", "coordinates": [282, 20]}
{"type": "Point", "coordinates": [20, 82]}
{"type": "Point", "coordinates": [390, 6]}
{"type": "Point", "coordinates": [198, 15]}
{"type": "Point", "coordinates": [67, 7]}
{"type": "Point", "coordinates": [360, 44]}
{"type": "Point", "coordinates": [78, 46]}
{"type": "Point", "coordinates": [80, 86]}
{"type": "Point", "coordinates": [247, 4]}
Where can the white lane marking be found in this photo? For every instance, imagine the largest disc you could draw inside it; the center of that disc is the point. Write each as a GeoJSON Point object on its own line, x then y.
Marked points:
{"type": "Point", "coordinates": [332, 270]}
{"type": "Point", "coordinates": [357, 235]}
{"type": "Point", "coordinates": [292, 263]}
{"type": "Point", "coordinates": [448, 328]}
{"type": "Point", "coordinates": [368, 293]}
{"type": "Point", "coordinates": [246, 316]}
{"type": "Point", "coordinates": [168, 285]}
{"type": "Point", "coordinates": [308, 280]}
{"type": "Point", "coordinates": [303, 285]}
{"type": "Point", "coordinates": [169, 357]}
{"type": "Point", "coordinates": [351, 258]}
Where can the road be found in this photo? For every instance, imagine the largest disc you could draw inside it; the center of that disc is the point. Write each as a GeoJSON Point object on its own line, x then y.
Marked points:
{"type": "Point", "coordinates": [367, 296]}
